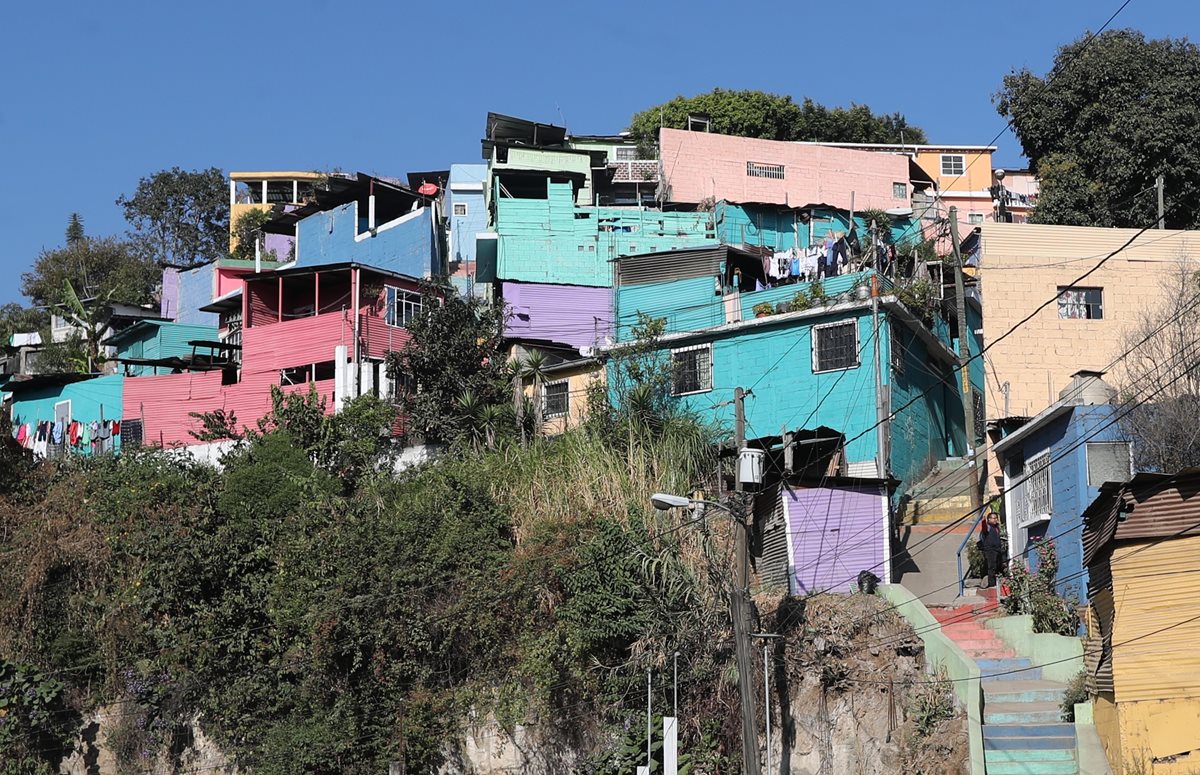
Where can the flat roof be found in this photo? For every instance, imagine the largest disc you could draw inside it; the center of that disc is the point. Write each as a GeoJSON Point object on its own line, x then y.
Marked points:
{"type": "Point", "coordinates": [278, 175]}
{"type": "Point", "coordinates": [903, 146]}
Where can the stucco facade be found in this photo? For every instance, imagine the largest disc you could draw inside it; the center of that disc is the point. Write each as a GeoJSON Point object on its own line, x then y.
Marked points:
{"type": "Point", "coordinates": [1023, 266]}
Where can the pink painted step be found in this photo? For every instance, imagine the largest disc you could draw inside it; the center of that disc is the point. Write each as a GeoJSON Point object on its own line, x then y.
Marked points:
{"type": "Point", "coordinates": [965, 625]}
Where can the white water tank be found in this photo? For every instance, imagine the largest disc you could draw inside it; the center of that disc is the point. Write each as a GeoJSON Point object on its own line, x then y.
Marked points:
{"type": "Point", "coordinates": [750, 465]}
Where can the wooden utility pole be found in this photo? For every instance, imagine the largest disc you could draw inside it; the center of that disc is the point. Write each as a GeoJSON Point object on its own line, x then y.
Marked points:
{"type": "Point", "coordinates": [964, 358]}
{"type": "Point", "coordinates": [739, 596]}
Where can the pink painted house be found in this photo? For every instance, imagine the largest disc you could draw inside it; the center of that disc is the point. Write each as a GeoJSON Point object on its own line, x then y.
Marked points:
{"type": "Point", "coordinates": [700, 165]}
{"type": "Point", "coordinates": [329, 325]}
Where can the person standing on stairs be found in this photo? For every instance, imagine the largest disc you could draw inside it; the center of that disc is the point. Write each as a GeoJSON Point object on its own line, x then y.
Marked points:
{"type": "Point", "coordinates": [991, 545]}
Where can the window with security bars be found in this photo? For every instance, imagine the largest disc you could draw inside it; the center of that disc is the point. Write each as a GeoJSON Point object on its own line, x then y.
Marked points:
{"type": "Point", "coordinates": [896, 347]}
{"type": "Point", "coordinates": [625, 153]}
{"type": "Point", "coordinates": [979, 414]}
{"type": "Point", "coordinates": [691, 369]}
{"type": "Point", "coordinates": [131, 434]}
{"type": "Point", "coordinates": [1037, 486]}
{"type": "Point", "coordinates": [1107, 461]}
{"type": "Point", "coordinates": [756, 169]}
{"type": "Point", "coordinates": [403, 307]}
{"type": "Point", "coordinates": [835, 346]}
{"type": "Point", "coordinates": [953, 164]}
{"type": "Point", "coordinates": [1080, 303]}
{"type": "Point", "coordinates": [556, 399]}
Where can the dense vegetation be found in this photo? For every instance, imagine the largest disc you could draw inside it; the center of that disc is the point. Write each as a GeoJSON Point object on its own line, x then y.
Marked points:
{"type": "Point", "coordinates": [316, 614]}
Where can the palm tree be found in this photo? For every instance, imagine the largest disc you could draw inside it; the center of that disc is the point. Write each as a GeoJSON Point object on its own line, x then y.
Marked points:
{"type": "Point", "coordinates": [533, 367]}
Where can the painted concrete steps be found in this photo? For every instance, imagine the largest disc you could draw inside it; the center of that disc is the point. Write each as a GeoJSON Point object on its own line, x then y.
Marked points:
{"type": "Point", "coordinates": [1033, 768]}
{"type": "Point", "coordinates": [1063, 754]}
{"type": "Point", "coordinates": [1021, 712]}
{"type": "Point", "coordinates": [1023, 690]}
{"type": "Point", "coordinates": [1044, 742]}
{"type": "Point", "coordinates": [1057, 729]}
{"type": "Point", "coordinates": [1008, 669]}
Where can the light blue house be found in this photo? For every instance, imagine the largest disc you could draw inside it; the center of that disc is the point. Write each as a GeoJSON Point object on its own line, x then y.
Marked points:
{"type": "Point", "coordinates": [1053, 465]}
{"type": "Point", "coordinates": [68, 398]}
{"type": "Point", "coordinates": [848, 362]}
{"type": "Point", "coordinates": [158, 340]}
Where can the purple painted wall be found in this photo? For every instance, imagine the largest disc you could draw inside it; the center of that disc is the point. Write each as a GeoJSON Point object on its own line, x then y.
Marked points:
{"type": "Point", "coordinates": [281, 244]}
{"type": "Point", "coordinates": [570, 314]}
{"type": "Point", "coordinates": [834, 532]}
{"type": "Point", "coordinates": [169, 304]}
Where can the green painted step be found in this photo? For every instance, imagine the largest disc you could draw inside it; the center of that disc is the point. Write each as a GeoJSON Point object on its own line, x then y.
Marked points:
{"type": "Point", "coordinates": [1021, 713]}
{"type": "Point", "coordinates": [1023, 690]}
{"type": "Point", "coordinates": [1030, 755]}
{"type": "Point", "coordinates": [1032, 768]}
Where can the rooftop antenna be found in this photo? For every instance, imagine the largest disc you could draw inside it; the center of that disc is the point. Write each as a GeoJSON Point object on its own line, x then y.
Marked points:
{"type": "Point", "coordinates": [561, 118]}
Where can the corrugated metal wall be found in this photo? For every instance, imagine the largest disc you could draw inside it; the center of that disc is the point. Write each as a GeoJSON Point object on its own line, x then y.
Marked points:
{"type": "Point", "coordinates": [577, 315]}
{"type": "Point", "coordinates": [836, 531]}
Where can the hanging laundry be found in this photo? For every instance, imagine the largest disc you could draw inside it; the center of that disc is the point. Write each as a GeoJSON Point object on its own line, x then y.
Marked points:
{"type": "Point", "coordinates": [116, 427]}
{"type": "Point", "coordinates": [22, 432]}
{"type": "Point", "coordinates": [57, 432]}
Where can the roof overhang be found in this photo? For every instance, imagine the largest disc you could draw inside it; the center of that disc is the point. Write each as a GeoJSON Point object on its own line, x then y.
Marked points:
{"type": "Point", "coordinates": [1036, 423]}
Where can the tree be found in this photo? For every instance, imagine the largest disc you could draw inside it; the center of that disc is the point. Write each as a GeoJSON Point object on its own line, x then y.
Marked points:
{"type": "Point", "coordinates": [1114, 112]}
{"type": "Point", "coordinates": [180, 217]}
{"type": "Point", "coordinates": [750, 113]}
{"type": "Point", "coordinates": [74, 229]}
{"type": "Point", "coordinates": [454, 349]}
{"type": "Point", "coordinates": [94, 266]}
{"type": "Point", "coordinates": [15, 319]}
{"type": "Point", "coordinates": [1160, 379]}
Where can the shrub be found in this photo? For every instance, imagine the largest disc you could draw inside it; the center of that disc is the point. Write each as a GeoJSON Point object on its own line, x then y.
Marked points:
{"type": "Point", "coordinates": [1076, 693]}
{"type": "Point", "coordinates": [1035, 594]}
{"type": "Point", "coordinates": [930, 703]}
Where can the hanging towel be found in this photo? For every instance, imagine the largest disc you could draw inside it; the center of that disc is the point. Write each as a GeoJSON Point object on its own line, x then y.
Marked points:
{"type": "Point", "coordinates": [57, 432]}
{"type": "Point", "coordinates": [86, 438]}
{"type": "Point", "coordinates": [116, 429]}
{"type": "Point", "coordinates": [22, 432]}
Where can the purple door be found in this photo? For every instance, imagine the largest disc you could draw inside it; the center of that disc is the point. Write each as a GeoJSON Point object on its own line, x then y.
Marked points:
{"type": "Point", "coordinates": [835, 531]}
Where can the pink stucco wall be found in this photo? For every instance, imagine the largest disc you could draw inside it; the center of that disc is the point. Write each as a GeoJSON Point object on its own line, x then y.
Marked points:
{"type": "Point", "coordinates": [698, 165]}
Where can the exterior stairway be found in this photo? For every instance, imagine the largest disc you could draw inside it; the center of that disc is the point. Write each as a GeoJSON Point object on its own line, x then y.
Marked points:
{"type": "Point", "coordinates": [1022, 731]}
{"type": "Point", "coordinates": [929, 567]}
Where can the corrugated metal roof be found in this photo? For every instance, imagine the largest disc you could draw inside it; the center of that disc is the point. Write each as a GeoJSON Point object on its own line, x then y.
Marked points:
{"type": "Point", "coordinates": [1149, 506]}
{"type": "Point", "coordinates": [670, 265]}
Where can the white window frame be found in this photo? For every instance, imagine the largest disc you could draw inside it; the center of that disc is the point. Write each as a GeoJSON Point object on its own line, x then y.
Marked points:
{"type": "Point", "coordinates": [631, 150]}
{"type": "Point", "coordinates": [60, 403]}
{"type": "Point", "coordinates": [762, 169]}
{"type": "Point", "coordinates": [974, 219]}
{"type": "Point", "coordinates": [1032, 514]}
{"type": "Point", "coordinates": [408, 309]}
{"type": "Point", "coordinates": [704, 388]}
{"type": "Point", "coordinates": [546, 413]}
{"type": "Point", "coordinates": [465, 210]}
{"type": "Point", "coordinates": [816, 349]}
{"type": "Point", "coordinates": [899, 190]}
{"type": "Point", "coordinates": [962, 164]}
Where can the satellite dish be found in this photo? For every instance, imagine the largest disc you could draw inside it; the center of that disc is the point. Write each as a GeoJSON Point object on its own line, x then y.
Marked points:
{"type": "Point", "coordinates": [427, 189]}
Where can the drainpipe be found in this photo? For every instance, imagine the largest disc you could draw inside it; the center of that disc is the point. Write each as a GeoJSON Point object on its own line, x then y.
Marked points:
{"type": "Point", "coordinates": [356, 280]}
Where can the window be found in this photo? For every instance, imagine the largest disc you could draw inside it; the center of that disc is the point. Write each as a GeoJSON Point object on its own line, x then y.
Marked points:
{"type": "Point", "coordinates": [899, 191]}
{"type": "Point", "coordinates": [625, 153]}
{"type": "Point", "coordinates": [1080, 303]}
{"type": "Point", "coordinates": [1107, 461]}
{"type": "Point", "coordinates": [974, 219]}
{"type": "Point", "coordinates": [691, 369]}
{"type": "Point", "coordinates": [402, 307]}
{"type": "Point", "coordinates": [1037, 488]}
{"type": "Point", "coordinates": [296, 375]}
{"type": "Point", "coordinates": [835, 346]}
{"type": "Point", "coordinates": [953, 164]}
{"type": "Point", "coordinates": [556, 399]}
{"type": "Point", "coordinates": [896, 347]}
{"type": "Point", "coordinates": [758, 170]}
{"type": "Point", "coordinates": [460, 209]}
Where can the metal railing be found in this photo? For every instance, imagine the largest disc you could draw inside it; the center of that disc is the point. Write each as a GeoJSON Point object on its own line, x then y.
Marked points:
{"type": "Point", "coordinates": [984, 509]}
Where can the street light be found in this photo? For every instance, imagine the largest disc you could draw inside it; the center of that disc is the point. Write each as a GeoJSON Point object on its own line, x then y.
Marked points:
{"type": "Point", "coordinates": [664, 501]}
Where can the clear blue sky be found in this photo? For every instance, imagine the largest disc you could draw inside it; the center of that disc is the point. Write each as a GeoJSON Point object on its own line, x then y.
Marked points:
{"type": "Point", "coordinates": [97, 95]}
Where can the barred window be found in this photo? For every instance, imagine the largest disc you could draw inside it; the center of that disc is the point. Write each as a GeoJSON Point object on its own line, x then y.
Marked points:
{"type": "Point", "coordinates": [402, 307]}
{"type": "Point", "coordinates": [835, 346]}
{"type": "Point", "coordinates": [1080, 303]}
{"type": "Point", "coordinates": [556, 399]}
{"type": "Point", "coordinates": [756, 169]}
{"type": "Point", "coordinates": [691, 369]}
{"type": "Point", "coordinates": [1037, 486]}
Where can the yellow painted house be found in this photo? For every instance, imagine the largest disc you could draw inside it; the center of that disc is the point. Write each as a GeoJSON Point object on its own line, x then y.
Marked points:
{"type": "Point", "coordinates": [1141, 541]}
{"type": "Point", "coordinates": [565, 389]}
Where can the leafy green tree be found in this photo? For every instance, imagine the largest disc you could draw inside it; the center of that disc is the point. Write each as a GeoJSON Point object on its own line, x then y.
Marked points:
{"type": "Point", "coordinates": [15, 319]}
{"type": "Point", "coordinates": [247, 231]}
{"type": "Point", "coordinates": [179, 216]}
{"type": "Point", "coordinates": [752, 113]}
{"type": "Point", "coordinates": [1112, 113]}
{"type": "Point", "coordinates": [94, 266]}
{"type": "Point", "coordinates": [454, 349]}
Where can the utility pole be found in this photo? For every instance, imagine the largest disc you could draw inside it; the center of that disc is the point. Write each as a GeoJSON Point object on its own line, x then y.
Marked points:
{"type": "Point", "coordinates": [1158, 183]}
{"type": "Point", "coordinates": [739, 598]}
{"type": "Point", "coordinates": [964, 357]}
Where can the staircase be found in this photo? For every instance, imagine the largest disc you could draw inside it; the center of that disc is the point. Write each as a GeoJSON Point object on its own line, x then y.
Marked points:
{"type": "Point", "coordinates": [1022, 733]}
{"type": "Point", "coordinates": [929, 567]}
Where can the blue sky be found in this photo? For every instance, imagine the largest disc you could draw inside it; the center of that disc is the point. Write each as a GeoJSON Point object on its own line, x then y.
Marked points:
{"type": "Point", "coordinates": [97, 95]}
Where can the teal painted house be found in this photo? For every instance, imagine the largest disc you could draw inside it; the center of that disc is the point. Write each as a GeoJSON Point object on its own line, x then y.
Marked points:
{"type": "Point", "coordinates": [155, 340]}
{"type": "Point", "coordinates": [847, 363]}
{"type": "Point", "coordinates": [67, 397]}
